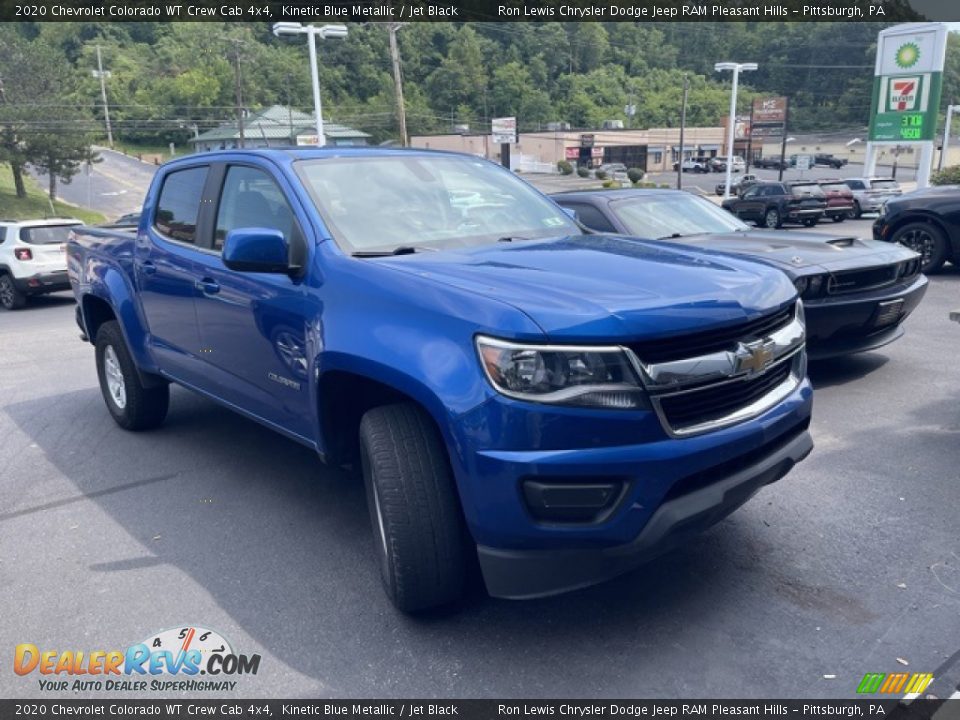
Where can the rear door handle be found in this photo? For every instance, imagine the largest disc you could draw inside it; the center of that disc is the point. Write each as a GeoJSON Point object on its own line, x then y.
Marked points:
{"type": "Point", "coordinates": [147, 267]}
{"type": "Point", "coordinates": [207, 286]}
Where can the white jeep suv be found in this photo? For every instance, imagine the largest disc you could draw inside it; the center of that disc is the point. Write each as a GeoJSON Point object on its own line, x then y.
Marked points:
{"type": "Point", "coordinates": [33, 258]}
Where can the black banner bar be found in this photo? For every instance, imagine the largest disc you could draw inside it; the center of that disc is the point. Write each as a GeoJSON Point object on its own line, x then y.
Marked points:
{"type": "Point", "coordinates": [187, 709]}
{"type": "Point", "coordinates": [878, 11]}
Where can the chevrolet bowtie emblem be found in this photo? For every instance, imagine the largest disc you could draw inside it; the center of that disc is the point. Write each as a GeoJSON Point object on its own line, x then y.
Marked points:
{"type": "Point", "coordinates": [754, 357]}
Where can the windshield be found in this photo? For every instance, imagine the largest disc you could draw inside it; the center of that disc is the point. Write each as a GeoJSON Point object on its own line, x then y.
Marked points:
{"type": "Point", "coordinates": [665, 216]}
{"type": "Point", "coordinates": [427, 202]}
{"type": "Point", "coordinates": [806, 191]}
{"type": "Point", "coordinates": [46, 234]}
{"type": "Point", "coordinates": [884, 184]}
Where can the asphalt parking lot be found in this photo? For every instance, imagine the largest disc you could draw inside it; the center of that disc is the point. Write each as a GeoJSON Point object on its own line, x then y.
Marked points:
{"type": "Point", "coordinates": [849, 565]}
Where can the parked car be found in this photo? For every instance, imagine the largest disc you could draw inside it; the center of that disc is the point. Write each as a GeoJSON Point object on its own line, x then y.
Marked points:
{"type": "Point", "coordinates": [695, 164]}
{"type": "Point", "coordinates": [870, 193]}
{"type": "Point", "coordinates": [719, 164]}
{"type": "Point", "coordinates": [927, 221]}
{"type": "Point", "coordinates": [771, 204]}
{"type": "Point", "coordinates": [829, 160]}
{"type": "Point", "coordinates": [856, 293]}
{"type": "Point", "coordinates": [561, 405]}
{"type": "Point", "coordinates": [839, 199]}
{"type": "Point", "coordinates": [33, 260]}
{"type": "Point", "coordinates": [737, 185]}
{"type": "Point", "coordinates": [774, 163]}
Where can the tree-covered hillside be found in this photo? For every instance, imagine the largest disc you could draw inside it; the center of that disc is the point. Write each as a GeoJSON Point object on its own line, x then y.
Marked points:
{"type": "Point", "coordinates": [166, 78]}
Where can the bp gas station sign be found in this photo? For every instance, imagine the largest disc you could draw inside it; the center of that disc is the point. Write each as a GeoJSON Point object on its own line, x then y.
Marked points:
{"type": "Point", "coordinates": [906, 91]}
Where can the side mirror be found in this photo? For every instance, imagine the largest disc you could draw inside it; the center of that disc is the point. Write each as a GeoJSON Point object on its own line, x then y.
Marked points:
{"type": "Point", "coordinates": [256, 249]}
{"type": "Point", "coordinates": [570, 212]}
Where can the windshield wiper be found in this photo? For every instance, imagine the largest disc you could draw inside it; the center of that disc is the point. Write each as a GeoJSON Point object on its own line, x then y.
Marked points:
{"type": "Point", "coordinates": [511, 238]}
{"type": "Point", "coordinates": [674, 236]}
{"type": "Point", "coordinates": [402, 250]}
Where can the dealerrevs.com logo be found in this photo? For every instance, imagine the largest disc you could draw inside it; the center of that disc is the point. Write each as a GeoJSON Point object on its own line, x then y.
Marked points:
{"type": "Point", "coordinates": [171, 660]}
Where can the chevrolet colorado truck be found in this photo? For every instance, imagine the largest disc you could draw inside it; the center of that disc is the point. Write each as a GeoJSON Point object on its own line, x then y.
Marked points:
{"type": "Point", "coordinates": [559, 404]}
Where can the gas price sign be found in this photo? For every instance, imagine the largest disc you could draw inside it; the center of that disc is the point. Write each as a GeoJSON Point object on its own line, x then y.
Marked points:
{"type": "Point", "coordinates": [906, 90]}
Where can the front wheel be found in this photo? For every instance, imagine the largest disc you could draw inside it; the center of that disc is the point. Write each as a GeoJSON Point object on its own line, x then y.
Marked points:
{"type": "Point", "coordinates": [10, 297]}
{"type": "Point", "coordinates": [857, 210]}
{"type": "Point", "coordinates": [414, 510]}
{"type": "Point", "coordinates": [772, 220]}
{"type": "Point", "coordinates": [810, 222]}
{"type": "Point", "coordinates": [133, 404]}
{"type": "Point", "coordinates": [839, 218]}
{"type": "Point", "coordinates": [927, 240]}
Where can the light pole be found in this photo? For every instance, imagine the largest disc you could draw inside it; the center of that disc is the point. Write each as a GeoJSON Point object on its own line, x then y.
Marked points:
{"type": "Point", "coordinates": [951, 109]}
{"type": "Point", "coordinates": [103, 75]}
{"type": "Point", "coordinates": [312, 31]}
{"type": "Point", "coordinates": [731, 124]}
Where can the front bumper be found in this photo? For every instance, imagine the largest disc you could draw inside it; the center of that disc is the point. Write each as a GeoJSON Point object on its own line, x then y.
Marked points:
{"type": "Point", "coordinates": [629, 450]}
{"type": "Point", "coordinates": [43, 283]}
{"type": "Point", "coordinates": [847, 324]}
{"type": "Point", "coordinates": [536, 573]}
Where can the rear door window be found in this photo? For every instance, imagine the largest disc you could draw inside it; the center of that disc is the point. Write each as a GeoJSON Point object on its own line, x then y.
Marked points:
{"type": "Point", "coordinates": [46, 234]}
{"type": "Point", "coordinates": [179, 204]}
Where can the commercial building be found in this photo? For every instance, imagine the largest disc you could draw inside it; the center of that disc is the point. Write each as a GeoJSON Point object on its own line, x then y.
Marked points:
{"type": "Point", "coordinates": [653, 150]}
{"type": "Point", "coordinates": [277, 126]}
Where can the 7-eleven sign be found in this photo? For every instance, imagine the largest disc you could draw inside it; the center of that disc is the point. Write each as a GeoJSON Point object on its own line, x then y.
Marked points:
{"type": "Point", "coordinates": [904, 94]}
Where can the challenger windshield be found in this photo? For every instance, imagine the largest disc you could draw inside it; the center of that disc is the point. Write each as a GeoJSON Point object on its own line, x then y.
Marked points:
{"type": "Point", "coordinates": [427, 202]}
{"type": "Point", "coordinates": [669, 215]}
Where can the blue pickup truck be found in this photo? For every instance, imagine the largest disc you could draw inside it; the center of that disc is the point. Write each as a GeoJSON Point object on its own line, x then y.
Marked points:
{"type": "Point", "coordinates": [559, 404]}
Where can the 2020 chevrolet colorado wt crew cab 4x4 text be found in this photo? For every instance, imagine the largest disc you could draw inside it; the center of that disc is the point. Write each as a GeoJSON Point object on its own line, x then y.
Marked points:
{"type": "Point", "coordinates": [564, 405]}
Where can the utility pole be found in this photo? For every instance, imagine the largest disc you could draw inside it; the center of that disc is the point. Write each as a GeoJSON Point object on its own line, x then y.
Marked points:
{"type": "Point", "coordinates": [683, 127]}
{"type": "Point", "coordinates": [238, 89]}
{"type": "Point", "coordinates": [398, 80]}
{"type": "Point", "coordinates": [783, 142]}
{"type": "Point", "coordinates": [103, 95]}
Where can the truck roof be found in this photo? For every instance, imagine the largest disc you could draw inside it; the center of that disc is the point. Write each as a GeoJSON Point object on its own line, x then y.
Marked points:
{"type": "Point", "coordinates": [285, 154]}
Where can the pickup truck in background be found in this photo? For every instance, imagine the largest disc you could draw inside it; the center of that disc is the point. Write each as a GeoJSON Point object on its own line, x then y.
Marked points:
{"type": "Point", "coordinates": [561, 405]}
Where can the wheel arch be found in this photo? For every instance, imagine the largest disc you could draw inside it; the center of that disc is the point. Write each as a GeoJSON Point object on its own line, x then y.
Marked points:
{"type": "Point", "coordinates": [909, 219]}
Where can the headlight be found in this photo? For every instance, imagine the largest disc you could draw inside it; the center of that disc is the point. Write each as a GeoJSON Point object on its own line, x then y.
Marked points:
{"type": "Point", "coordinates": [597, 377]}
{"type": "Point", "coordinates": [809, 286]}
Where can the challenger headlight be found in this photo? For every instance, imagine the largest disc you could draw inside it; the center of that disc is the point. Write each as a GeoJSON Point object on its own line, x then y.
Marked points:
{"type": "Point", "coordinates": [810, 286]}
{"type": "Point", "coordinates": [596, 377]}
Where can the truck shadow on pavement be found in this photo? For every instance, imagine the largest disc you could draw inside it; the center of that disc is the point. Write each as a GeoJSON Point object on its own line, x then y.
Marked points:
{"type": "Point", "coordinates": [283, 546]}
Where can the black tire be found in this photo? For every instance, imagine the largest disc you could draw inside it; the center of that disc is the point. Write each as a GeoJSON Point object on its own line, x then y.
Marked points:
{"type": "Point", "coordinates": [926, 239]}
{"type": "Point", "coordinates": [810, 222]}
{"type": "Point", "coordinates": [772, 219]}
{"type": "Point", "coordinates": [10, 297]}
{"type": "Point", "coordinates": [414, 509]}
{"type": "Point", "coordinates": [839, 217]}
{"type": "Point", "coordinates": [136, 406]}
{"type": "Point", "coordinates": [857, 210]}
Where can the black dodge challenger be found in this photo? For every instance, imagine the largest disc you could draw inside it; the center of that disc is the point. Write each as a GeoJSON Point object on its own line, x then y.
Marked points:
{"type": "Point", "coordinates": [856, 292]}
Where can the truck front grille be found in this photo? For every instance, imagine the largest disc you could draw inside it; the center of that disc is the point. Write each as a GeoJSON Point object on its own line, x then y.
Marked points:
{"type": "Point", "coordinates": [713, 403]}
{"type": "Point", "coordinates": [726, 338]}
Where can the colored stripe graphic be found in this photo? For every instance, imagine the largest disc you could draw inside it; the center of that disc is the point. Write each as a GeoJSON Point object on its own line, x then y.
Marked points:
{"type": "Point", "coordinates": [894, 683]}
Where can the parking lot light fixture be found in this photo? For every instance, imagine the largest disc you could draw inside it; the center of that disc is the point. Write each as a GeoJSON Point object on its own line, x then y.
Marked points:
{"type": "Point", "coordinates": [736, 68]}
{"type": "Point", "coordinates": [324, 32]}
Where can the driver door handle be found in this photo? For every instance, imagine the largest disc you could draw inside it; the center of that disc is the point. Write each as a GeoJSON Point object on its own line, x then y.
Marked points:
{"type": "Point", "coordinates": [207, 286]}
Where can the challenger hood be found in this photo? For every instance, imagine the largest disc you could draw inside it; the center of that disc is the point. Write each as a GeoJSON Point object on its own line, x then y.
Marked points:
{"type": "Point", "coordinates": [799, 251]}
{"type": "Point", "coordinates": [605, 286]}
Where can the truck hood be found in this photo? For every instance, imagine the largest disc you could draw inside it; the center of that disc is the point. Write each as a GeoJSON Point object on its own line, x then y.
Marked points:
{"type": "Point", "coordinates": [802, 253]}
{"type": "Point", "coordinates": [607, 286]}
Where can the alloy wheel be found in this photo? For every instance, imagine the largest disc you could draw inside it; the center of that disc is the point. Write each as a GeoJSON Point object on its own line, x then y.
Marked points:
{"type": "Point", "coordinates": [116, 385]}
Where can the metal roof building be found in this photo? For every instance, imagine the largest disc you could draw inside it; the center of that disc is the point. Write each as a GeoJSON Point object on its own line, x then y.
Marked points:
{"type": "Point", "coordinates": [277, 126]}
